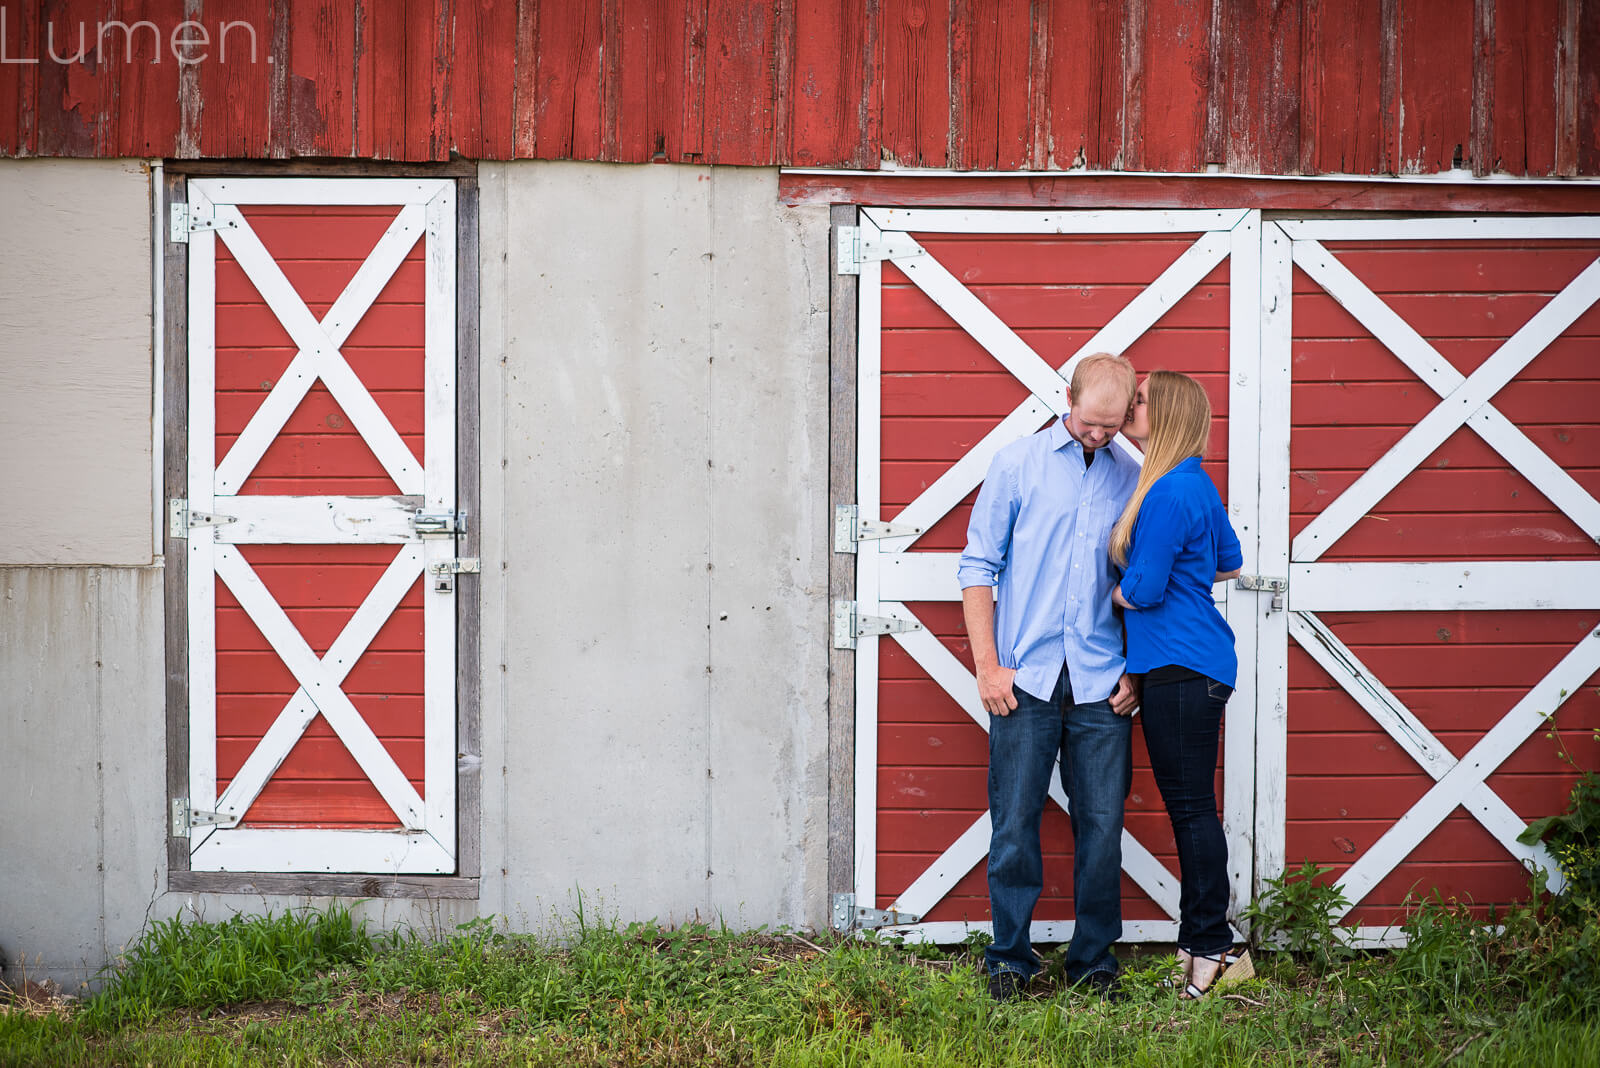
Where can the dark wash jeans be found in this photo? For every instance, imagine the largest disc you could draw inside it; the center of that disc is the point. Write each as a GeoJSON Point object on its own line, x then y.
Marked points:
{"type": "Point", "coordinates": [1182, 721]}
{"type": "Point", "coordinates": [1094, 745]}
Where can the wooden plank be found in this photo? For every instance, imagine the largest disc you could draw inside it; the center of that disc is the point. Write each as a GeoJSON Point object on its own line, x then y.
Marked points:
{"type": "Point", "coordinates": [1175, 79]}
{"type": "Point", "coordinates": [1085, 84]}
{"type": "Point", "coordinates": [316, 520]}
{"type": "Point", "coordinates": [305, 849]}
{"type": "Point", "coordinates": [483, 82]}
{"type": "Point", "coordinates": [1588, 88]}
{"type": "Point", "coordinates": [841, 566]}
{"type": "Point", "coordinates": [322, 62]}
{"type": "Point", "coordinates": [1569, 137]}
{"type": "Point", "coordinates": [1435, 55]}
{"type": "Point", "coordinates": [649, 78]}
{"type": "Point", "coordinates": [826, 98]}
{"type": "Point", "coordinates": [567, 82]}
{"type": "Point", "coordinates": [469, 495]}
{"type": "Point", "coordinates": [990, 119]}
{"type": "Point", "coordinates": [1264, 89]}
{"type": "Point", "coordinates": [868, 449]}
{"type": "Point", "coordinates": [145, 122]}
{"type": "Point", "coordinates": [1112, 191]}
{"type": "Point", "coordinates": [175, 475]}
{"type": "Point", "coordinates": [916, 83]}
{"type": "Point", "coordinates": [1271, 554]}
{"type": "Point", "coordinates": [311, 885]}
{"type": "Point", "coordinates": [525, 82]}
{"type": "Point", "coordinates": [741, 96]}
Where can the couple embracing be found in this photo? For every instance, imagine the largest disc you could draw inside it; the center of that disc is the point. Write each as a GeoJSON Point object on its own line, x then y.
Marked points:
{"type": "Point", "coordinates": [1086, 586]}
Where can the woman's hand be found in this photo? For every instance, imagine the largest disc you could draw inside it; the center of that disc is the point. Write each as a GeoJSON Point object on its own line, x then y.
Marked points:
{"type": "Point", "coordinates": [1119, 600]}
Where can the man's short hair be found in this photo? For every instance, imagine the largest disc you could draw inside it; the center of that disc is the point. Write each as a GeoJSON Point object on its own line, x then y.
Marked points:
{"type": "Point", "coordinates": [1104, 369]}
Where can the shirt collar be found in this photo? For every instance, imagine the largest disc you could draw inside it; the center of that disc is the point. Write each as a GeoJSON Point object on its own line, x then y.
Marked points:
{"type": "Point", "coordinates": [1060, 438]}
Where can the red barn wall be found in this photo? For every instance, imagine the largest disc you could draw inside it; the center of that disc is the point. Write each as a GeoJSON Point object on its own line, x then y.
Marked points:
{"type": "Point", "coordinates": [1250, 86]}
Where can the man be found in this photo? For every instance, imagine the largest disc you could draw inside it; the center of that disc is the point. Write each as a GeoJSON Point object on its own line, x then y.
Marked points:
{"type": "Point", "coordinates": [1036, 593]}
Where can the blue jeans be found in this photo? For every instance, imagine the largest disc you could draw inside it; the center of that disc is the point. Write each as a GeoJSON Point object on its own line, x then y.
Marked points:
{"type": "Point", "coordinates": [1094, 745]}
{"type": "Point", "coordinates": [1182, 721]}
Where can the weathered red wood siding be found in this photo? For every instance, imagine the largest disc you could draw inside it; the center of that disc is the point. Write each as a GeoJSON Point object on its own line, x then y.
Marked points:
{"type": "Point", "coordinates": [1257, 86]}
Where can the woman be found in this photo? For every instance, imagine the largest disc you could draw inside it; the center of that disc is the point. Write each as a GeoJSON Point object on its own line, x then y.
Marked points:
{"type": "Point", "coordinates": [1173, 541]}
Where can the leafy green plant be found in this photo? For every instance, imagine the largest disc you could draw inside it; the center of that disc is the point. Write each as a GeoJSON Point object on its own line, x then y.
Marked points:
{"type": "Point", "coordinates": [1573, 837]}
{"type": "Point", "coordinates": [1299, 914]}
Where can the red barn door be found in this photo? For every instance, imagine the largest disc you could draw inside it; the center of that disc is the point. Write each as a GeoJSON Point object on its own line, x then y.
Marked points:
{"type": "Point", "coordinates": [321, 493]}
{"type": "Point", "coordinates": [1436, 387]}
{"type": "Point", "coordinates": [969, 325]}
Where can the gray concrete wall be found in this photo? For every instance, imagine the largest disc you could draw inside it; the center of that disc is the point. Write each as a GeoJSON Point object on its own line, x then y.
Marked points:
{"type": "Point", "coordinates": [75, 307]}
{"type": "Point", "coordinates": [655, 383]}
{"type": "Point", "coordinates": [654, 420]}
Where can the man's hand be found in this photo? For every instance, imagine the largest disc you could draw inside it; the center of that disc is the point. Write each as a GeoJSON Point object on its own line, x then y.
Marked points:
{"type": "Point", "coordinates": [1125, 698]}
{"type": "Point", "coordinates": [994, 690]}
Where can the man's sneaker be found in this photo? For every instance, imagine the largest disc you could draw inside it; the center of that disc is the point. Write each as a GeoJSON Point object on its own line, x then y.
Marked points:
{"type": "Point", "coordinates": [1103, 984]}
{"type": "Point", "coordinates": [1006, 985]}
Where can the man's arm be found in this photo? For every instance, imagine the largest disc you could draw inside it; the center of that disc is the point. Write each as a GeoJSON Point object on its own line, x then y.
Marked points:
{"type": "Point", "coordinates": [994, 681]}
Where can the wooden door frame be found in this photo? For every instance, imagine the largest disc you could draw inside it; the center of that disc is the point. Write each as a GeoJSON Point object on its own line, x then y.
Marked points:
{"type": "Point", "coordinates": [175, 365]}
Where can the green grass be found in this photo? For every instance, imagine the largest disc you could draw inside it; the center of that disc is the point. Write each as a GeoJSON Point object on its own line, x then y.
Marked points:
{"type": "Point", "coordinates": [315, 989]}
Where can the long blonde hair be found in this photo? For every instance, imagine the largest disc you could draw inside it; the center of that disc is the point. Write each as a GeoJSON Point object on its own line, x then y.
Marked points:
{"type": "Point", "coordinates": [1180, 423]}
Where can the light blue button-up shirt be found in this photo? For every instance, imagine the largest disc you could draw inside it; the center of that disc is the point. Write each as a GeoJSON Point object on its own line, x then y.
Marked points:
{"type": "Point", "coordinates": [1039, 533]}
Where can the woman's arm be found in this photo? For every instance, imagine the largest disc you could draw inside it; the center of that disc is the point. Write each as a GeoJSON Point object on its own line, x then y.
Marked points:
{"type": "Point", "coordinates": [1227, 576]}
{"type": "Point", "coordinates": [1119, 600]}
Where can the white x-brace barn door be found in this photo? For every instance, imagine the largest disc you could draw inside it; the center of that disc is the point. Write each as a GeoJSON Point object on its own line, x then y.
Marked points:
{"type": "Point", "coordinates": [1176, 251]}
{"type": "Point", "coordinates": [379, 354]}
{"type": "Point", "coordinates": [1304, 264]}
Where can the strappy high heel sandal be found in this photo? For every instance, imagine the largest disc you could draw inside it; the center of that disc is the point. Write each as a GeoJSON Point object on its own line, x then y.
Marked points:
{"type": "Point", "coordinates": [1231, 968]}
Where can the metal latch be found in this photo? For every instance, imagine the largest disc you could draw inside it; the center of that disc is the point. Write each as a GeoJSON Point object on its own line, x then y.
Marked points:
{"type": "Point", "coordinates": [180, 520]}
{"type": "Point", "coordinates": [1275, 586]}
{"type": "Point", "coordinates": [444, 572]}
{"type": "Point", "coordinates": [439, 524]}
{"type": "Point", "coordinates": [849, 528]}
{"type": "Point", "coordinates": [184, 817]}
{"type": "Point", "coordinates": [848, 625]}
{"type": "Point", "coordinates": [847, 916]}
{"type": "Point", "coordinates": [854, 249]}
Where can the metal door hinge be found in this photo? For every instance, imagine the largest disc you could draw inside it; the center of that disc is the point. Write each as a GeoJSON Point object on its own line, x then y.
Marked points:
{"type": "Point", "coordinates": [854, 249]}
{"type": "Point", "coordinates": [1266, 584]}
{"type": "Point", "coordinates": [184, 219]}
{"type": "Point", "coordinates": [848, 625]}
{"type": "Point", "coordinates": [439, 524]}
{"type": "Point", "coordinates": [180, 520]}
{"type": "Point", "coordinates": [849, 528]}
{"type": "Point", "coordinates": [184, 817]}
{"type": "Point", "coordinates": [847, 916]}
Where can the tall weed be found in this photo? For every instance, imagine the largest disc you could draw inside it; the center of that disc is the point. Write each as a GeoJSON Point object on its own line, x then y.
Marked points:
{"type": "Point", "coordinates": [198, 964]}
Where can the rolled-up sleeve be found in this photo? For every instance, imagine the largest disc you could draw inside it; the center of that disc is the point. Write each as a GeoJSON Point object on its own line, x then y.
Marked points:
{"type": "Point", "coordinates": [1158, 537]}
{"type": "Point", "coordinates": [989, 529]}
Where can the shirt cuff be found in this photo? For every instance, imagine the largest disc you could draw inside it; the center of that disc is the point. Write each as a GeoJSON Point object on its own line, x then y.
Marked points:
{"type": "Point", "coordinates": [975, 576]}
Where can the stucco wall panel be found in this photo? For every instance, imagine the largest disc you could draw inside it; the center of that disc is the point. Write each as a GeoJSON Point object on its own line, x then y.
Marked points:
{"type": "Point", "coordinates": [75, 380]}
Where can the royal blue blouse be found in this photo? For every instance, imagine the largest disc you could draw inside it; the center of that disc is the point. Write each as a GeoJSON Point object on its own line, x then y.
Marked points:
{"type": "Point", "coordinates": [1181, 539]}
